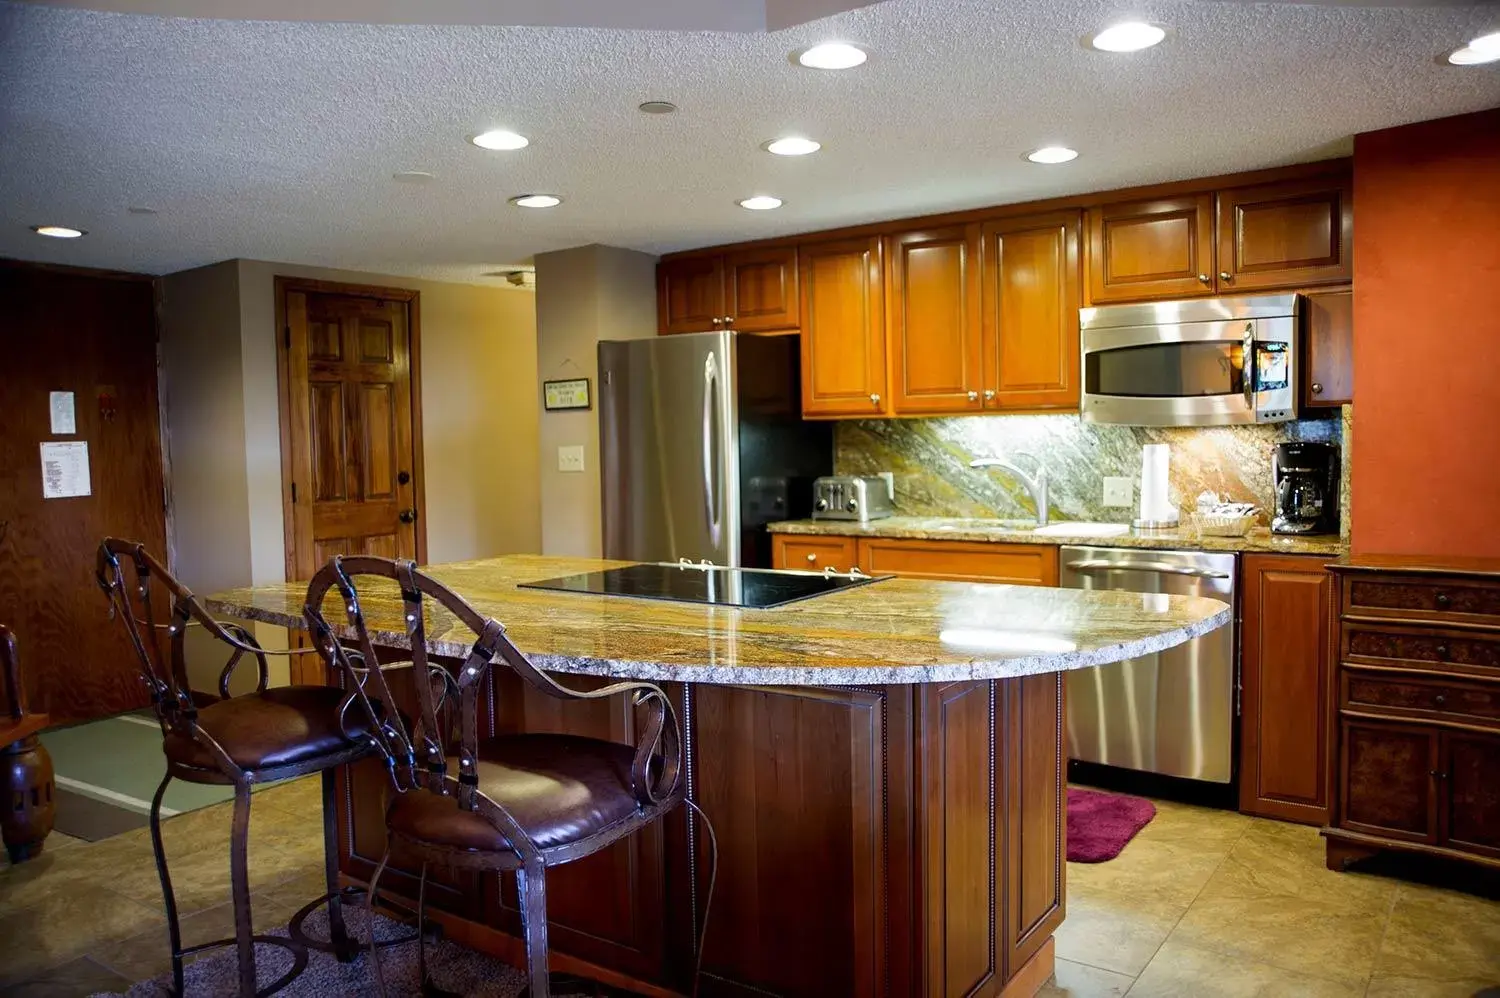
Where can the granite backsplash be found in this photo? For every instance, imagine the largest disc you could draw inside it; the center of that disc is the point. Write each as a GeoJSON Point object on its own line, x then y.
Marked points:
{"type": "Point", "coordinates": [930, 461]}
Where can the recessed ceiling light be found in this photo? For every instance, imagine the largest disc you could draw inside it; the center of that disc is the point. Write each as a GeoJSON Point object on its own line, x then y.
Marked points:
{"type": "Point", "coordinates": [1485, 48]}
{"type": "Point", "coordinates": [658, 107]}
{"type": "Point", "coordinates": [1052, 155]}
{"type": "Point", "coordinates": [536, 201]}
{"type": "Point", "coordinates": [832, 55]}
{"type": "Point", "coordinates": [1488, 44]}
{"type": "Point", "coordinates": [1127, 36]}
{"type": "Point", "coordinates": [792, 146]}
{"type": "Point", "coordinates": [500, 139]}
{"type": "Point", "coordinates": [58, 231]}
{"type": "Point", "coordinates": [761, 202]}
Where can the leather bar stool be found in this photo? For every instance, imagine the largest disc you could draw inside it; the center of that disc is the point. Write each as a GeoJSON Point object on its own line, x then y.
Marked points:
{"type": "Point", "coordinates": [259, 737]}
{"type": "Point", "coordinates": [521, 802]}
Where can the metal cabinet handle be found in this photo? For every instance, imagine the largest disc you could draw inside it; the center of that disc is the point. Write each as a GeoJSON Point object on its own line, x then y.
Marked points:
{"type": "Point", "coordinates": [718, 321]}
{"type": "Point", "coordinates": [1438, 774]}
{"type": "Point", "coordinates": [973, 396]}
{"type": "Point", "coordinates": [1442, 651]}
{"type": "Point", "coordinates": [1226, 276]}
{"type": "Point", "coordinates": [875, 398]}
{"type": "Point", "coordinates": [812, 557]}
{"type": "Point", "coordinates": [1205, 279]}
{"type": "Point", "coordinates": [1317, 389]}
{"type": "Point", "coordinates": [1439, 700]}
{"type": "Point", "coordinates": [1163, 567]}
{"type": "Point", "coordinates": [1441, 599]}
{"type": "Point", "coordinates": [989, 394]}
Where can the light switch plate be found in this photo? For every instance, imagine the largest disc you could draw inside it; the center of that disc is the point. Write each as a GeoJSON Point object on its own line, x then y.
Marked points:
{"type": "Point", "coordinates": [1119, 492]}
{"type": "Point", "coordinates": [570, 458]}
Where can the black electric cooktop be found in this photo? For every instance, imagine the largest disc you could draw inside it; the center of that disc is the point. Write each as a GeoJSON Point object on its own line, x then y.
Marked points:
{"type": "Point", "coordinates": [748, 587]}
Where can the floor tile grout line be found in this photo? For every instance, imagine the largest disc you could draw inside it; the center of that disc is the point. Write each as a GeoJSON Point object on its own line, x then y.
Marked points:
{"type": "Point", "coordinates": [1385, 930]}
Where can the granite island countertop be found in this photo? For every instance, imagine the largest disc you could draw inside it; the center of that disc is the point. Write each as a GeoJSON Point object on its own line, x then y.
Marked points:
{"type": "Point", "coordinates": [889, 631]}
{"type": "Point", "coordinates": [932, 528]}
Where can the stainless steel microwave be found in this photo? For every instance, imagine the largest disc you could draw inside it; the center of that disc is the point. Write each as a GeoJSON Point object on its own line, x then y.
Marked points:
{"type": "Point", "coordinates": [1204, 362]}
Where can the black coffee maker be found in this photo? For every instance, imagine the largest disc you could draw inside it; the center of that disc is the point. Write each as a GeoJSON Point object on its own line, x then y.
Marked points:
{"type": "Point", "coordinates": [1306, 477]}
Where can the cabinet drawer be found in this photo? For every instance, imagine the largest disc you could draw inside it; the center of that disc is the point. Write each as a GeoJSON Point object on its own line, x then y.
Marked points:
{"type": "Point", "coordinates": [1417, 598]}
{"type": "Point", "coordinates": [1443, 650]}
{"type": "Point", "coordinates": [1409, 694]}
{"type": "Point", "coordinates": [964, 561]}
{"type": "Point", "coordinates": [813, 554]}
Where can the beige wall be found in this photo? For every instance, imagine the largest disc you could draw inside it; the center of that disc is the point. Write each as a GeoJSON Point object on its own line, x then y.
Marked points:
{"type": "Point", "coordinates": [584, 295]}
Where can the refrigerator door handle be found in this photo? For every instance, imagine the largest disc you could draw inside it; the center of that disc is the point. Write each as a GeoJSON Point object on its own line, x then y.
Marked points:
{"type": "Point", "coordinates": [710, 401]}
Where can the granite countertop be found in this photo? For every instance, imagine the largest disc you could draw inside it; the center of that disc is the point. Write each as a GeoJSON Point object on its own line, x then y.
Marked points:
{"type": "Point", "coordinates": [889, 631]}
{"type": "Point", "coordinates": [929, 528]}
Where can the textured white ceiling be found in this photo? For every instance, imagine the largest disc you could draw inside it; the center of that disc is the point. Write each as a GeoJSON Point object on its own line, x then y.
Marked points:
{"type": "Point", "coordinates": [277, 140]}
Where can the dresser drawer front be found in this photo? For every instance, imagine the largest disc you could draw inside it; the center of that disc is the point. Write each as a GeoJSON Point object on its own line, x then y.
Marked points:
{"type": "Point", "coordinates": [1404, 695]}
{"type": "Point", "coordinates": [1422, 598]}
{"type": "Point", "coordinates": [813, 554]}
{"type": "Point", "coordinates": [1444, 650]}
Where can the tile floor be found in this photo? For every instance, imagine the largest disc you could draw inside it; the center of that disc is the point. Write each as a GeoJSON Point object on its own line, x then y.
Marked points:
{"type": "Point", "coordinates": [1202, 904]}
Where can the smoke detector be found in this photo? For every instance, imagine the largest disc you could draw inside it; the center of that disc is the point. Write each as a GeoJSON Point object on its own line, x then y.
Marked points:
{"type": "Point", "coordinates": [516, 278]}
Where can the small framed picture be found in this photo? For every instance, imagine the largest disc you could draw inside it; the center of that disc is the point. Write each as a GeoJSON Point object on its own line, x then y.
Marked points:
{"type": "Point", "coordinates": [570, 394]}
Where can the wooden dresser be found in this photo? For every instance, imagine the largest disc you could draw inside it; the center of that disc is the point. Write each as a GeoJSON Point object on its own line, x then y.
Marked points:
{"type": "Point", "coordinates": [1417, 710]}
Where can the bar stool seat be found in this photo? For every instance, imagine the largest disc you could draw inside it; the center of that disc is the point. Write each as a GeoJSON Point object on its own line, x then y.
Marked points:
{"type": "Point", "coordinates": [561, 789]}
{"type": "Point", "coordinates": [280, 726]}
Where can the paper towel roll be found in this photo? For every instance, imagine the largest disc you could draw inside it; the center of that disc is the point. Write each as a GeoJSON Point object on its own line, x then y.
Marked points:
{"type": "Point", "coordinates": [1155, 503]}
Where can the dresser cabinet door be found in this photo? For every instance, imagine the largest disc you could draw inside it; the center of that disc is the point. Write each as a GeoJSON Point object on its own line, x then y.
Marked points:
{"type": "Point", "coordinates": [1151, 249]}
{"type": "Point", "coordinates": [1329, 376]}
{"type": "Point", "coordinates": [934, 322]}
{"type": "Point", "coordinates": [1286, 235]}
{"type": "Point", "coordinates": [1030, 299]}
{"type": "Point", "coordinates": [690, 295]}
{"type": "Point", "coordinates": [1389, 781]}
{"type": "Point", "coordinates": [843, 329]}
{"type": "Point", "coordinates": [761, 288]}
{"type": "Point", "coordinates": [1471, 802]}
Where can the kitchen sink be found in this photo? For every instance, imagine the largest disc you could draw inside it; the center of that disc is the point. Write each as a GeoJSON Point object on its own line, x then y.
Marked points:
{"type": "Point", "coordinates": [985, 524]}
{"type": "Point", "coordinates": [1082, 528]}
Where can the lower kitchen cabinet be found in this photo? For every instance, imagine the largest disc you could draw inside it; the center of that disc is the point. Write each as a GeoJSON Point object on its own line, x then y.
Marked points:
{"type": "Point", "coordinates": [1387, 780]}
{"type": "Point", "coordinates": [813, 553]}
{"type": "Point", "coordinates": [961, 561]}
{"type": "Point", "coordinates": [1286, 656]}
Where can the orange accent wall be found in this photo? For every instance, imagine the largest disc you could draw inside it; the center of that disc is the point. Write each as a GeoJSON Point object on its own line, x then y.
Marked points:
{"type": "Point", "coordinates": [1426, 462]}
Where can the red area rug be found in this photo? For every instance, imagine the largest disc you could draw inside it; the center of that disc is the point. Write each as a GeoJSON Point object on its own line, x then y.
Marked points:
{"type": "Point", "coordinates": [1100, 824]}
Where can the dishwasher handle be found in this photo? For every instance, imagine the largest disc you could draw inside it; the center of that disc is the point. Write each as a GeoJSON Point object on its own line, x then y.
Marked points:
{"type": "Point", "coordinates": [1163, 567]}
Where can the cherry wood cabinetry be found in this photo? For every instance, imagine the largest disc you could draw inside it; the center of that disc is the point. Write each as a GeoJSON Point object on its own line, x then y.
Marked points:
{"type": "Point", "coordinates": [843, 329]}
{"type": "Point", "coordinates": [1418, 712]}
{"type": "Point", "coordinates": [1286, 662]}
{"type": "Point", "coordinates": [813, 553]}
{"type": "Point", "coordinates": [753, 291]}
{"type": "Point", "coordinates": [934, 320]}
{"type": "Point", "coordinates": [1158, 248]}
{"type": "Point", "coordinates": [1030, 298]}
{"type": "Point", "coordinates": [962, 561]}
{"type": "Point", "coordinates": [1285, 235]}
{"type": "Point", "coordinates": [1328, 380]}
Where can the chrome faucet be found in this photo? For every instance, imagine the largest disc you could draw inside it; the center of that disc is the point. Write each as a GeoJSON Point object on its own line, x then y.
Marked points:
{"type": "Point", "coordinates": [1037, 485]}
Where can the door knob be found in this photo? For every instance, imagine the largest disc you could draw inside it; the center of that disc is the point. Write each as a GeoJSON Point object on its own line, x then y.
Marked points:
{"type": "Point", "coordinates": [1317, 389]}
{"type": "Point", "coordinates": [1225, 276]}
{"type": "Point", "coordinates": [402, 477]}
{"type": "Point", "coordinates": [407, 515]}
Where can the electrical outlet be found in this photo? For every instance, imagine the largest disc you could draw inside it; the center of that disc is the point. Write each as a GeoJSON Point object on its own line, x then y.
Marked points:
{"type": "Point", "coordinates": [570, 458]}
{"type": "Point", "coordinates": [1119, 492]}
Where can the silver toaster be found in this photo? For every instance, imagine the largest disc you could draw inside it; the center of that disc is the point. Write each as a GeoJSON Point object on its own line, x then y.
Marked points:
{"type": "Point", "coordinates": [851, 497]}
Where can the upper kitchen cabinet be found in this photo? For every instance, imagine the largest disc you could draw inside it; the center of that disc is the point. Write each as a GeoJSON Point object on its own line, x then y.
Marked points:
{"type": "Point", "coordinates": [934, 322]}
{"type": "Point", "coordinates": [1161, 248]}
{"type": "Point", "coordinates": [1030, 297]}
{"type": "Point", "coordinates": [690, 294]}
{"type": "Point", "coordinates": [1329, 379]}
{"type": "Point", "coordinates": [1285, 235]}
{"type": "Point", "coordinates": [843, 328]}
{"type": "Point", "coordinates": [753, 291]}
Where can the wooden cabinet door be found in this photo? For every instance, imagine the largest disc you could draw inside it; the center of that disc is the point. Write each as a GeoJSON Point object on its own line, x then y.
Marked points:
{"type": "Point", "coordinates": [812, 554]}
{"type": "Point", "coordinates": [934, 327]}
{"type": "Point", "coordinates": [1387, 782]}
{"type": "Point", "coordinates": [1286, 655]}
{"type": "Point", "coordinates": [690, 295]}
{"type": "Point", "coordinates": [761, 289]}
{"type": "Point", "coordinates": [1286, 235]}
{"type": "Point", "coordinates": [843, 329]}
{"type": "Point", "coordinates": [1471, 797]}
{"type": "Point", "coordinates": [1329, 378]}
{"type": "Point", "coordinates": [1030, 300]}
{"type": "Point", "coordinates": [1140, 250]}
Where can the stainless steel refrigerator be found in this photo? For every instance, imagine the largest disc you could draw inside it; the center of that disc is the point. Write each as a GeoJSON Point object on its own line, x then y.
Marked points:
{"type": "Point", "coordinates": [702, 443]}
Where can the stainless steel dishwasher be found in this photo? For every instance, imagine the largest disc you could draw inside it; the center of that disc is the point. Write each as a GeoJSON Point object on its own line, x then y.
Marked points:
{"type": "Point", "coordinates": [1172, 712]}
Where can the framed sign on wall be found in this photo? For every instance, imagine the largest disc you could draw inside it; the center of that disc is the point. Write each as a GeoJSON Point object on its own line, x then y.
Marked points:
{"type": "Point", "coordinates": [570, 394]}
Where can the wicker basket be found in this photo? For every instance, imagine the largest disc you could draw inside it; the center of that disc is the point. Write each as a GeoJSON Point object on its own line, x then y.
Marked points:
{"type": "Point", "coordinates": [1223, 526]}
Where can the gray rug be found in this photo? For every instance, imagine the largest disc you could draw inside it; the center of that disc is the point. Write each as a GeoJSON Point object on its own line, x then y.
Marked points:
{"type": "Point", "coordinates": [453, 967]}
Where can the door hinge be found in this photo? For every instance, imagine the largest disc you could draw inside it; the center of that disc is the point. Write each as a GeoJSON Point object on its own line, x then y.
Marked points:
{"type": "Point", "coordinates": [294, 492]}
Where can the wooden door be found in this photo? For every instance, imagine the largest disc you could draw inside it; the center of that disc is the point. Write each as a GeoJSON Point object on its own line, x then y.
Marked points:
{"type": "Point", "coordinates": [1388, 780]}
{"type": "Point", "coordinates": [690, 295]}
{"type": "Point", "coordinates": [1286, 235]}
{"type": "Point", "coordinates": [1030, 303]}
{"type": "Point", "coordinates": [1139, 250]}
{"type": "Point", "coordinates": [843, 329]}
{"type": "Point", "coordinates": [1036, 795]}
{"type": "Point", "coordinates": [349, 427]}
{"type": "Point", "coordinates": [93, 335]}
{"type": "Point", "coordinates": [934, 327]}
{"type": "Point", "coordinates": [761, 289]}
{"type": "Point", "coordinates": [1471, 797]}
{"type": "Point", "coordinates": [1286, 658]}
{"type": "Point", "coordinates": [1329, 376]}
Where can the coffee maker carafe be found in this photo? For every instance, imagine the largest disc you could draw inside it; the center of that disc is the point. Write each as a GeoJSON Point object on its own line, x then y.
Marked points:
{"type": "Point", "coordinates": [1306, 477]}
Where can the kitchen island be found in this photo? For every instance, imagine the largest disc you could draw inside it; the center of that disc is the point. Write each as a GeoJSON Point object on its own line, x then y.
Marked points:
{"type": "Point", "coordinates": [883, 766]}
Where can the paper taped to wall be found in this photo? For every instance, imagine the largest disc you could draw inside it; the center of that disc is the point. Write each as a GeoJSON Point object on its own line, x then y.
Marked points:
{"type": "Point", "coordinates": [65, 469]}
{"type": "Point", "coordinates": [64, 419]}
